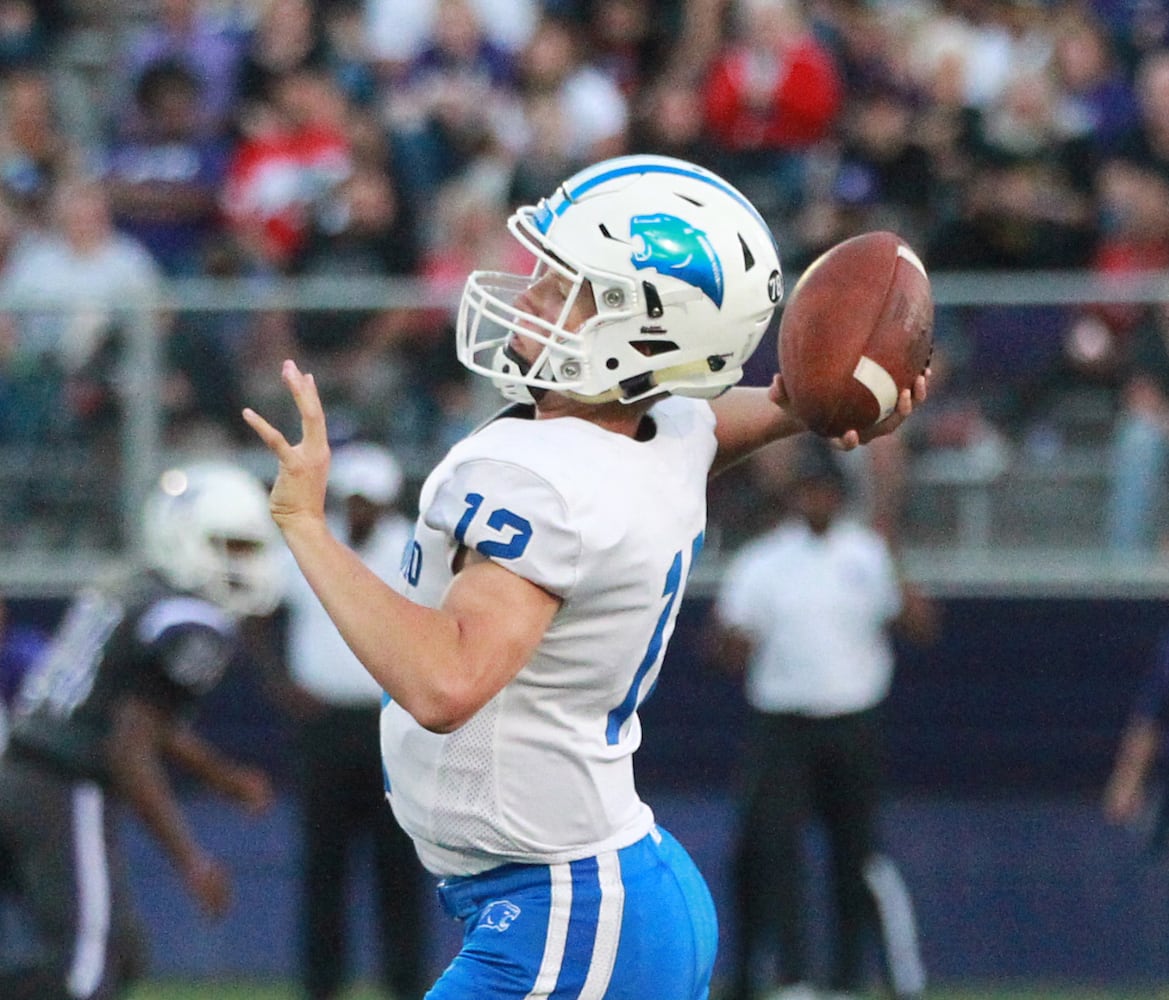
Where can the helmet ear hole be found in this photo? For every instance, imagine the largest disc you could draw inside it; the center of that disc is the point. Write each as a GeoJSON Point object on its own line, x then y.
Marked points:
{"type": "Point", "coordinates": [652, 348]}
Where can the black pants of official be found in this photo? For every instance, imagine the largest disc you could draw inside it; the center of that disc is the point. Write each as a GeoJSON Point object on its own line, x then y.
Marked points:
{"type": "Point", "coordinates": [344, 808]}
{"type": "Point", "coordinates": [798, 769]}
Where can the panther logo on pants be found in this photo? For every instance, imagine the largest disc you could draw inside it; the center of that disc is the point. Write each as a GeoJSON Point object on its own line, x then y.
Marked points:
{"type": "Point", "coordinates": [499, 915]}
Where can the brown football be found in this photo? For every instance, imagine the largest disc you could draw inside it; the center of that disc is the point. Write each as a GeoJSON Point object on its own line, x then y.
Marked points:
{"type": "Point", "coordinates": [856, 330]}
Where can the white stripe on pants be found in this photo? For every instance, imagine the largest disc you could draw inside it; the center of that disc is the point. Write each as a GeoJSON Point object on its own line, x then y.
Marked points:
{"type": "Point", "coordinates": [93, 891]}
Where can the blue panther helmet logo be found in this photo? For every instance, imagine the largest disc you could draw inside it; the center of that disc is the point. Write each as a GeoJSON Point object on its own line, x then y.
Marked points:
{"type": "Point", "coordinates": [672, 246]}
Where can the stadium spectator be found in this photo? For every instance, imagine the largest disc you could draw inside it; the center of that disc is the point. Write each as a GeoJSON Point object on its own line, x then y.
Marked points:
{"type": "Point", "coordinates": [27, 30]}
{"type": "Point", "coordinates": [467, 234]}
{"type": "Point", "coordinates": [871, 46]}
{"type": "Point", "coordinates": [454, 102]}
{"type": "Point", "coordinates": [773, 92]}
{"type": "Point", "coordinates": [556, 72]}
{"type": "Point", "coordinates": [814, 749]}
{"type": "Point", "coordinates": [667, 120]}
{"type": "Point", "coordinates": [1132, 205]}
{"type": "Point", "coordinates": [210, 353]}
{"type": "Point", "coordinates": [881, 176]}
{"type": "Point", "coordinates": [364, 229]}
{"type": "Point", "coordinates": [976, 48]}
{"type": "Point", "coordinates": [546, 153]}
{"type": "Point", "coordinates": [398, 30]}
{"type": "Point", "coordinates": [1094, 97]}
{"type": "Point", "coordinates": [1147, 142]}
{"type": "Point", "coordinates": [508, 738]}
{"type": "Point", "coordinates": [147, 647]}
{"type": "Point", "coordinates": [35, 151]}
{"type": "Point", "coordinates": [435, 404]}
{"type": "Point", "coordinates": [347, 54]}
{"type": "Point", "coordinates": [287, 36]}
{"type": "Point", "coordinates": [573, 111]}
{"type": "Point", "coordinates": [1139, 463]}
{"type": "Point", "coordinates": [1139, 28]}
{"type": "Point", "coordinates": [631, 40]}
{"type": "Point", "coordinates": [1024, 126]}
{"type": "Point", "coordinates": [76, 284]}
{"type": "Point", "coordinates": [342, 796]}
{"type": "Point", "coordinates": [164, 180]}
{"type": "Point", "coordinates": [1007, 221]}
{"type": "Point", "coordinates": [294, 151]}
{"type": "Point", "coordinates": [182, 30]}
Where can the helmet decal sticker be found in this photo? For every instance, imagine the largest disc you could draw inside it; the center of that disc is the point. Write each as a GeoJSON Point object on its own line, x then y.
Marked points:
{"type": "Point", "coordinates": [674, 247]}
{"type": "Point", "coordinates": [543, 217]}
{"type": "Point", "coordinates": [774, 286]}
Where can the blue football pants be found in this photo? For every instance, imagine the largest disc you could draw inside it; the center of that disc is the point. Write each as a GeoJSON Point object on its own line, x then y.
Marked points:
{"type": "Point", "coordinates": [624, 925]}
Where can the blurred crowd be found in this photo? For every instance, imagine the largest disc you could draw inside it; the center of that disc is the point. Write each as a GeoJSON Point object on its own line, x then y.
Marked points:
{"type": "Point", "coordinates": [146, 140]}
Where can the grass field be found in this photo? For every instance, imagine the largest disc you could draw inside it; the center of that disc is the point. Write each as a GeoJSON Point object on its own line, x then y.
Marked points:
{"type": "Point", "coordinates": [276, 991]}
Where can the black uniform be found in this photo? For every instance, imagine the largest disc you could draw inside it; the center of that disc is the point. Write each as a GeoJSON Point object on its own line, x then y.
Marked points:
{"type": "Point", "coordinates": [139, 638]}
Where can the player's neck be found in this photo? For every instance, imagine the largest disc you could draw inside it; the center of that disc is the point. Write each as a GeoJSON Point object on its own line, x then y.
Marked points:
{"type": "Point", "coordinates": [620, 418]}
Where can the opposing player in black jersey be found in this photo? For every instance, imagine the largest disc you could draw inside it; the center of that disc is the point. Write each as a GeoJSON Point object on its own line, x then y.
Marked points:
{"type": "Point", "coordinates": [104, 710]}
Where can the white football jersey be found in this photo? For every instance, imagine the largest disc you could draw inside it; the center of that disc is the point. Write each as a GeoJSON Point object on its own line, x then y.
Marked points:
{"type": "Point", "coordinates": [543, 773]}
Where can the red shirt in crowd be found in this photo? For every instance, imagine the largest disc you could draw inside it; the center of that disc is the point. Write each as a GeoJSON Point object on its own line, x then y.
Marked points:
{"type": "Point", "coordinates": [800, 92]}
{"type": "Point", "coordinates": [276, 178]}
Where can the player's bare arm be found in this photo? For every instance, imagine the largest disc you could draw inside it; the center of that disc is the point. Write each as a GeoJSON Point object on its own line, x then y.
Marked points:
{"type": "Point", "coordinates": [249, 786]}
{"type": "Point", "coordinates": [1124, 795]}
{"type": "Point", "coordinates": [136, 747]}
{"type": "Point", "coordinates": [748, 419]}
{"type": "Point", "coordinates": [440, 664]}
{"type": "Point", "coordinates": [751, 418]}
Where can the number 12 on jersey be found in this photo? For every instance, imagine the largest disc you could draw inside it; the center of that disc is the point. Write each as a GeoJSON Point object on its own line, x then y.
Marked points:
{"type": "Point", "coordinates": [675, 581]}
{"type": "Point", "coordinates": [515, 531]}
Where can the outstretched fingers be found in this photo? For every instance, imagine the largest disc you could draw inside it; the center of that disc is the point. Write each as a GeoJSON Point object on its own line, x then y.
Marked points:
{"type": "Point", "coordinates": [298, 491]}
{"type": "Point", "coordinates": [303, 388]}
{"type": "Point", "coordinates": [275, 441]}
{"type": "Point", "coordinates": [308, 403]}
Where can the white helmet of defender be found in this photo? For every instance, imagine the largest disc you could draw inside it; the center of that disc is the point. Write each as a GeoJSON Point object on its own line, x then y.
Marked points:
{"type": "Point", "coordinates": [207, 530]}
{"type": "Point", "coordinates": [684, 271]}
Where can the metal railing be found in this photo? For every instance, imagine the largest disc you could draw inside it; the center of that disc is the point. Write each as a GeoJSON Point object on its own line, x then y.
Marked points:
{"type": "Point", "coordinates": [967, 552]}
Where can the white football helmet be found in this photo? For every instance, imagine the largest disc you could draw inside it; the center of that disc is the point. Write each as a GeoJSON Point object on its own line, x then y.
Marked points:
{"type": "Point", "coordinates": [190, 518]}
{"type": "Point", "coordinates": [684, 271]}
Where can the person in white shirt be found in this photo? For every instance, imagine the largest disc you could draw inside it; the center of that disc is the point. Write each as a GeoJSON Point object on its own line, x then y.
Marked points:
{"type": "Point", "coordinates": [548, 565]}
{"type": "Point", "coordinates": [806, 610]}
{"type": "Point", "coordinates": [341, 781]}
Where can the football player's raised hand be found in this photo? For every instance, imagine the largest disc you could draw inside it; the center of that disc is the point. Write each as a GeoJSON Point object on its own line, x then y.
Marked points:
{"type": "Point", "coordinates": [777, 393]}
{"type": "Point", "coordinates": [299, 490]}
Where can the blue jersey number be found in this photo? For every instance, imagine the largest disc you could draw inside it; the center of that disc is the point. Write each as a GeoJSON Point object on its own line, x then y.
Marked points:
{"type": "Point", "coordinates": [675, 580]}
{"type": "Point", "coordinates": [515, 531]}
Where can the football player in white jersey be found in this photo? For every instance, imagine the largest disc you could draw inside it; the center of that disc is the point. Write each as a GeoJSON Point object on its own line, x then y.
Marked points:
{"type": "Point", "coordinates": [546, 570]}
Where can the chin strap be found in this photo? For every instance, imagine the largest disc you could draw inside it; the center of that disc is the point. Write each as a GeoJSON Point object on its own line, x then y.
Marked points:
{"type": "Point", "coordinates": [637, 387]}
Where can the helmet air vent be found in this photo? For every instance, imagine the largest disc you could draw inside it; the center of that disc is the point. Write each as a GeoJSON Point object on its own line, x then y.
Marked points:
{"type": "Point", "coordinates": [653, 301]}
{"type": "Point", "coordinates": [748, 257]}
